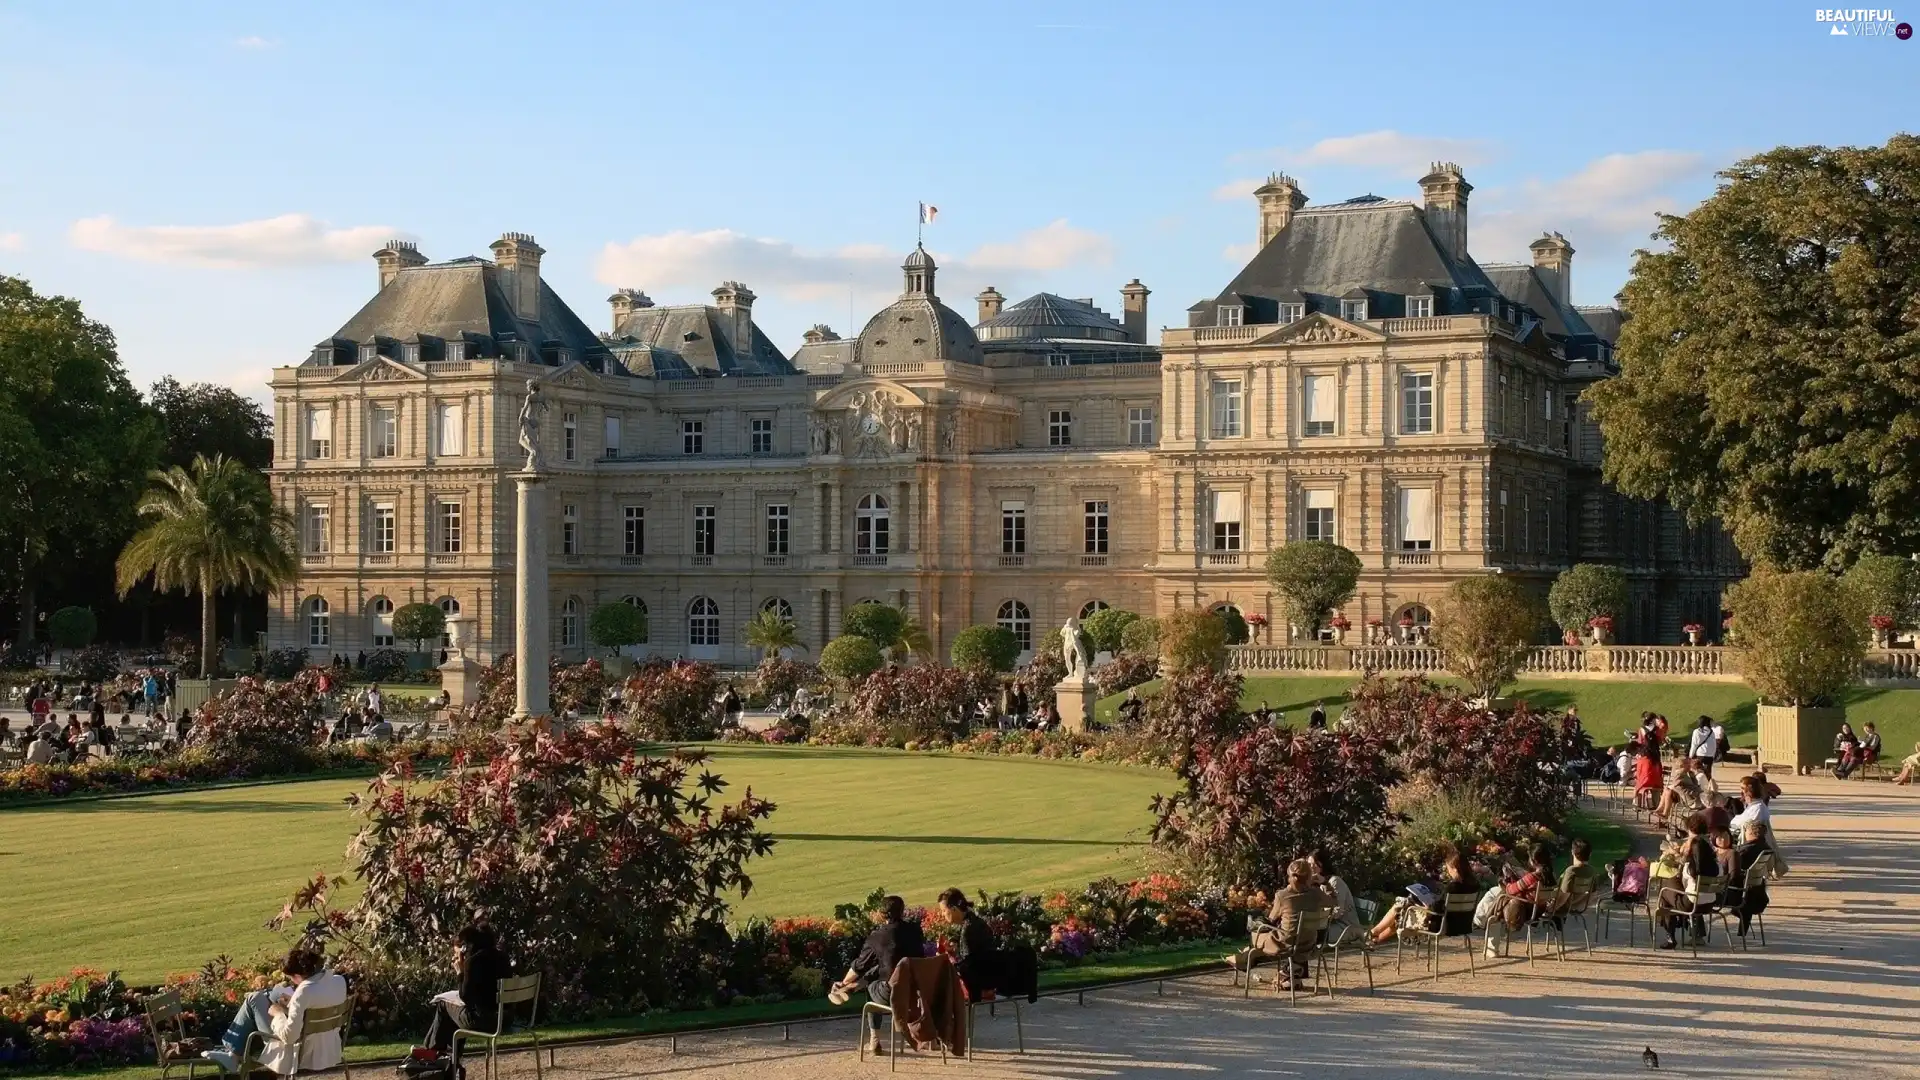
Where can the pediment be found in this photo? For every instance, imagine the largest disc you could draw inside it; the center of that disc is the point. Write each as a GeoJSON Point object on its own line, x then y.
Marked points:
{"type": "Point", "coordinates": [572, 374]}
{"type": "Point", "coordinates": [860, 392]}
{"type": "Point", "coordinates": [1321, 328]}
{"type": "Point", "coordinates": [379, 369]}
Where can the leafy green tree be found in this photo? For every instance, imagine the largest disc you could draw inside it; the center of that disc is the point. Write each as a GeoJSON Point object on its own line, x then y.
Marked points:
{"type": "Point", "coordinates": [771, 632]}
{"type": "Point", "coordinates": [1234, 623]}
{"type": "Point", "coordinates": [877, 622]}
{"type": "Point", "coordinates": [1192, 639]}
{"type": "Point", "coordinates": [1313, 577]}
{"type": "Point", "coordinates": [214, 527]}
{"type": "Point", "coordinates": [72, 627]}
{"type": "Point", "coordinates": [615, 626]}
{"type": "Point", "coordinates": [1766, 376]}
{"type": "Point", "coordinates": [418, 622]}
{"type": "Point", "coordinates": [1584, 592]}
{"type": "Point", "coordinates": [206, 419]}
{"type": "Point", "coordinates": [76, 444]}
{"type": "Point", "coordinates": [1802, 635]}
{"type": "Point", "coordinates": [991, 647]}
{"type": "Point", "coordinates": [1887, 585]}
{"type": "Point", "coordinates": [914, 639]}
{"type": "Point", "coordinates": [1142, 636]}
{"type": "Point", "coordinates": [1485, 625]}
{"type": "Point", "coordinates": [1105, 627]}
{"type": "Point", "coordinates": [850, 656]}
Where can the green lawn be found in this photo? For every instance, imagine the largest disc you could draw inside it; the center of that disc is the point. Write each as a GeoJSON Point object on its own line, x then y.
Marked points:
{"type": "Point", "coordinates": [162, 883]}
{"type": "Point", "coordinates": [1607, 709]}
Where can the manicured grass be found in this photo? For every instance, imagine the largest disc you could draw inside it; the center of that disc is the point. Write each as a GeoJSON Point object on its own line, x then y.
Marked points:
{"type": "Point", "coordinates": [163, 883]}
{"type": "Point", "coordinates": [1607, 709]}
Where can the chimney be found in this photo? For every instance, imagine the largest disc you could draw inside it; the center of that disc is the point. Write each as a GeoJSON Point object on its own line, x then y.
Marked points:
{"type": "Point", "coordinates": [990, 302]}
{"type": "Point", "coordinates": [819, 333]}
{"type": "Point", "coordinates": [1445, 189]}
{"type": "Point", "coordinates": [395, 257]}
{"type": "Point", "coordinates": [518, 259]}
{"type": "Point", "coordinates": [625, 302]}
{"type": "Point", "coordinates": [735, 302]}
{"type": "Point", "coordinates": [1553, 257]}
{"type": "Point", "coordinates": [1279, 199]}
{"type": "Point", "coordinates": [1133, 305]}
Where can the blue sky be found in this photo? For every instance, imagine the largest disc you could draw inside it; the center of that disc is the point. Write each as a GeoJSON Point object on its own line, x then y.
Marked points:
{"type": "Point", "coordinates": [210, 179]}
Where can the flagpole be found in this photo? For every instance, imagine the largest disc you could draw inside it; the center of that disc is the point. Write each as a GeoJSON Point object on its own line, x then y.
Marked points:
{"type": "Point", "coordinates": [920, 226]}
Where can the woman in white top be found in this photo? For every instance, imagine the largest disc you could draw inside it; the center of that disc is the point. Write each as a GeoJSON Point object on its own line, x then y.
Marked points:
{"type": "Point", "coordinates": [1753, 791]}
{"type": "Point", "coordinates": [279, 1015]}
{"type": "Point", "coordinates": [1336, 888]}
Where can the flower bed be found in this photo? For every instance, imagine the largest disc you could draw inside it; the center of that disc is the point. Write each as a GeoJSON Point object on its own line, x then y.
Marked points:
{"type": "Point", "coordinates": [187, 768]}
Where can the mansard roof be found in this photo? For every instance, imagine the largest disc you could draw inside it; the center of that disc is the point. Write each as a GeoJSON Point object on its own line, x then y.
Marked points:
{"type": "Point", "coordinates": [1522, 284]}
{"type": "Point", "coordinates": [690, 341]}
{"type": "Point", "coordinates": [464, 300]}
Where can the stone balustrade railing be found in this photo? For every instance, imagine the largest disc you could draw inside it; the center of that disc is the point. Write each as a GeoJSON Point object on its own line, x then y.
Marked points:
{"type": "Point", "coordinates": [1705, 663]}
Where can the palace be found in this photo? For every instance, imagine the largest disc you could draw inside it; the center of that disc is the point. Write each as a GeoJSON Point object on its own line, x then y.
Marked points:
{"type": "Point", "coordinates": [1363, 379]}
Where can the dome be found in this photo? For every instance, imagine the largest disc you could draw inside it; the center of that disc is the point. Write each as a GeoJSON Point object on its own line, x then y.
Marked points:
{"type": "Point", "coordinates": [918, 260]}
{"type": "Point", "coordinates": [917, 329]}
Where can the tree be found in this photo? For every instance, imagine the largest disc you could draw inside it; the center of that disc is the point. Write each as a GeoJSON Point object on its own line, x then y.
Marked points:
{"type": "Point", "coordinates": [72, 627]}
{"type": "Point", "coordinates": [877, 622]}
{"type": "Point", "coordinates": [1313, 577]}
{"type": "Point", "coordinates": [76, 444]}
{"type": "Point", "coordinates": [914, 639]}
{"type": "Point", "coordinates": [1802, 635]}
{"type": "Point", "coordinates": [1142, 636]}
{"type": "Point", "coordinates": [1234, 623]}
{"type": "Point", "coordinates": [418, 622]}
{"type": "Point", "coordinates": [1889, 586]}
{"type": "Point", "coordinates": [203, 419]}
{"type": "Point", "coordinates": [772, 633]}
{"type": "Point", "coordinates": [850, 656]}
{"type": "Point", "coordinates": [1766, 373]}
{"type": "Point", "coordinates": [214, 527]}
{"type": "Point", "coordinates": [1105, 627]}
{"type": "Point", "coordinates": [992, 648]}
{"type": "Point", "coordinates": [1485, 625]}
{"type": "Point", "coordinates": [1192, 639]}
{"type": "Point", "coordinates": [615, 626]}
{"type": "Point", "coordinates": [1585, 592]}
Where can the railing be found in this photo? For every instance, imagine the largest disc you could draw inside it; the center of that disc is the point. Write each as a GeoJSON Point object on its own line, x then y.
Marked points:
{"type": "Point", "coordinates": [775, 561]}
{"type": "Point", "coordinates": [1412, 558]}
{"type": "Point", "coordinates": [1654, 662]}
{"type": "Point", "coordinates": [379, 560]}
{"type": "Point", "coordinates": [870, 560]}
{"type": "Point", "coordinates": [448, 367]}
{"type": "Point", "coordinates": [1013, 560]}
{"type": "Point", "coordinates": [1223, 558]}
{"type": "Point", "coordinates": [1668, 660]}
{"type": "Point", "coordinates": [1426, 325]}
{"type": "Point", "coordinates": [1555, 659]}
{"type": "Point", "coordinates": [700, 560]}
{"type": "Point", "coordinates": [316, 558]}
{"type": "Point", "coordinates": [632, 560]}
{"type": "Point", "coordinates": [1226, 335]}
{"type": "Point", "coordinates": [1891, 664]}
{"type": "Point", "coordinates": [1093, 560]}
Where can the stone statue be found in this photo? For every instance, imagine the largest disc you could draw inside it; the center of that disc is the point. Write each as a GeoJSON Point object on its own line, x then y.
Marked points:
{"type": "Point", "coordinates": [1077, 650]}
{"type": "Point", "coordinates": [820, 434]}
{"type": "Point", "coordinates": [530, 411]}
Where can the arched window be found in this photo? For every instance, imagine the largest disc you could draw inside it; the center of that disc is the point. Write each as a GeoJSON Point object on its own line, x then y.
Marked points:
{"type": "Point", "coordinates": [317, 632]}
{"type": "Point", "coordinates": [703, 623]}
{"type": "Point", "coordinates": [1414, 624]}
{"type": "Point", "coordinates": [1092, 606]}
{"type": "Point", "coordinates": [1015, 617]}
{"type": "Point", "coordinates": [380, 611]}
{"type": "Point", "coordinates": [448, 607]}
{"type": "Point", "coordinates": [779, 607]}
{"type": "Point", "coordinates": [870, 520]}
{"type": "Point", "coordinates": [570, 623]}
{"type": "Point", "coordinates": [635, 602]}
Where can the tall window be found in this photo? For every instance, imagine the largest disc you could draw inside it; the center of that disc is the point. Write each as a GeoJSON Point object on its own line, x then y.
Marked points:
{"type": "Point", "coordinates": [1092, 606]}
{"type": "Point", "coordinates": [1526, 522]}
{"type": "Point", "coordinates": [1546, 524]}
{"type": "Point", "coordinates": [1416, 519]}
{"type": "Point", "coordinates": [385, 436]}
{"type": "Point", "coordinates": [779, 607]}
{"type": "Point", "coordinates": [320, 432]}
{"type": "Point", "coordinates": [1227, 510]}
{"type": "Point", "coordinates": [870, 520]}
{"type": "Point", "coordinates": [319, 528]}
{"type": "Point", "coordinates": [1318, 521]}
{"type": "Point", "coordinates": [1059, 427]}
{"type": "Point", "coordinates": [569, 436]}
{"type": "Point", "coordinates": [1015, 617]}
{"type": "Point", "coordinates": [1416, 403]}
{"type": "Point", "coordinates": [1316, 395]}
{"type": "Point", "coordinates": [1140, 425]}
{"type": "Point", "coordinates": [450, 431]}
{"type": "Point", "coordinates": [317, 629]}
{"type": "Point", "coordinates": [1226, 408]}
{"type": "Point", "coordinates": [1095, 512]}
{"type": "Point", "coordinates": [381, 613]}
{"type": "Point", "coordinates": [1419, 307]}
{"type": "Point", "coordinates": [703, 623]}
{"type": "Point", "coordinates": [779, 528]}
{"type": "Point", "coordinates": [570, 623]}
{"type": "Point", "coordinates": [704, 522]}
{"type": "Point", "coordinates": [1013, 528]}
{"type": "Point", "coordinates": [1500, 522]}
{"type": "Point", "coordinates": [380, 531]}
{"type": "Point", "coordinates": [450, 526]}
{"type": "Point", "coordinates": [569, 530]}
{"type": "Point", "coordinates": [1353, 310]}
{"type": "Point", "coordinates": [693, 436]}
{"type": "Point", "coordinates": [636, 530]}
{"type": "Point", "coordinates": [760, 435]}
{"type": "Point", "coordinates": [612, 444]}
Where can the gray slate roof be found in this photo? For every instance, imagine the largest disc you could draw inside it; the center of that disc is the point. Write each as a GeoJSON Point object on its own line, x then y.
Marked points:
{"type": "Point", "coordinates": [687, 341]}
{"type": "Point", "coordinates": [1522, 284]}
{"type": "Point", "coordinates": [1043, 314]}
{"type": "Point", "coordinates": [463, 300]}
{"type": "Point", "coordinates": [1605, 321]}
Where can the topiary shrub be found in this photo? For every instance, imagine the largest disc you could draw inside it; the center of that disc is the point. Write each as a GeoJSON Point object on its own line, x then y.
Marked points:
{"type": "Point", "coordinates": [1802, 635]}
{"type": "Point", "coordinates": [1485, 626]}
{"type": "Point", "coordinates": [1141, 636]}
{"type": "Point", "coordinates": [1585, 592]}
{"type": "Point", "coordinates": [384, 665]}
{"type": "Point", "coordinates": [72, 627]}
{"type": "Point", "coordinates": [616, 626]}
{"type": "Point", "coordinates": [1106, 628]}
{"type": "Point", "coordinates": [878, 623]}
{"type": "Point", "coordinates": [992, 648]}
{"type": "Point", "coordinates": [1887, 586]}
{"type": "Point", "coordinates": [1313, 577]}
{"type": "Point", "coordinates": [418, 622]}
{"type": "Point", "coordinates": [851, 656]}
{"type": "Point", "coordinates": [1192, 639]}
{"type": "Point", "coordinates": [95, 663]}
{"type": "Point", "coordinates": [284, 663]}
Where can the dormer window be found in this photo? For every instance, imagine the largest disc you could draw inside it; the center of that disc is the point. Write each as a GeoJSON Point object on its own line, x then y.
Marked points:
{"type": "Point", "coordinates": [1353, 310]}
{"type": "Point", "coordinates": [1292, 312]}
{"type": "Point", "coordinates": [1232, 314]}
{"type": "Point", "coordinates": [456, 350]}
{"type": "Point", "coordinates": [368, 352]}
{"type": "Point", "coordinates": [410, 353]}
{"type": "Point", "coordinates": [1419, 307]}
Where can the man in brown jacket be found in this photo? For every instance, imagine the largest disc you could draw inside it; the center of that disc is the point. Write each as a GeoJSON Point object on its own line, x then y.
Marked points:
{"type": "Point", "coordinates": [1300, 897]}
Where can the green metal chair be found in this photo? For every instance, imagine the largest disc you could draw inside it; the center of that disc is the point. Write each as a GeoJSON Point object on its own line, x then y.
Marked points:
{"type": "Point", "coordinates": [1458, 905]}
{"type": "Point", "coordinates": [169, 1030]}
{"type": "Point", "coordinates": [314, 1022]}
{"type": "Point", "coordinates": [521, 989]}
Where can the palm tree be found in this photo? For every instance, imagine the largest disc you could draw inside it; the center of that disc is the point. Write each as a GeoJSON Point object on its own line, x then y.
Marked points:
{"type": "Point", "coordinates": [771, 632]}
{"type": "Point", "coordinates": [209, 528]}
{"type": "Point", "coordinates": [914, 639]}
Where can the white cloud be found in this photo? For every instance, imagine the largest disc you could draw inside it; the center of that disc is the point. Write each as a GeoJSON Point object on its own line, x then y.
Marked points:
{"type": "Point", "coordinates": [255, 42]}
{"type": "Point", "coordinates": [12, 241]}
{"type": "Point", "coordinates": [1235, 190]}
{"type": "Point", "coordinates": [685, 260]}
{"type": "Point", "coordinates": [1606, 208]}
{"type": "Point", "coordinates": [1393, 151]}
{"type": "Point", "coordinates": [287, 240]}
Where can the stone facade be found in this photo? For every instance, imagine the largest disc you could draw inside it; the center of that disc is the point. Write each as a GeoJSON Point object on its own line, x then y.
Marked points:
{"type": "Point", "coordinates": [1021, 469]}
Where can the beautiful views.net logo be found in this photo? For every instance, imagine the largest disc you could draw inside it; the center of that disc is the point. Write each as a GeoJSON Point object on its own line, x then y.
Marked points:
{"type": "Point", "coordinates": [1862, 22]}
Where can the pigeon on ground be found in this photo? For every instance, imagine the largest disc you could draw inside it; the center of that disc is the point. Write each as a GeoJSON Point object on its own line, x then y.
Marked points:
{"type": "Point", "coordinates": [1652, 1059]}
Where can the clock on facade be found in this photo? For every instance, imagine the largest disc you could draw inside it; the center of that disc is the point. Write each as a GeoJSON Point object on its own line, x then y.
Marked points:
{"type": "Point", "coordinates": [870, 425]}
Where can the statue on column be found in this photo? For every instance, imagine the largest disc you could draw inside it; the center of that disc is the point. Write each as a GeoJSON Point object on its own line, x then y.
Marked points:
{"type": "Point", "coordinates": [1076, 649]}
{"type": "Point", "coordinates": [530, 411]}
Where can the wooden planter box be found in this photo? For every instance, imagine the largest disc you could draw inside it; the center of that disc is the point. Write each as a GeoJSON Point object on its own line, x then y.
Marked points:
{"type": "Point", "coordinates": [1796, 737]}
{"type": "Point", "coordinates": [193, 693]}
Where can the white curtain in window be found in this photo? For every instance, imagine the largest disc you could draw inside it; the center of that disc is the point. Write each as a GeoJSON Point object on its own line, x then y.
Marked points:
{"type": "Point", "coordinates": [319, 424]}
{"type": "Point", "coordinates": [1319, 394]}
{"type": "Point", "coordinates": [1227, 506]}
{"type": "Point", "coordinates": [1320, 499]}
{"type": "Point", "coordinates": [452, 431]}
{"type": "Point", "coordinates": [613, 435]}
{"type": "Point", "coordinates": [1416, 514]}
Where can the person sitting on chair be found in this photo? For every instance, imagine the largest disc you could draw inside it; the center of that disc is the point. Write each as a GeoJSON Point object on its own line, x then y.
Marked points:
{"type": "Point", "coordinates": [1697, 864]}
{"type": "Point", "coordinates": [480, 964]}
{"type": "Point", "coordinates": [1424, 907]}
{"type": "Point", "coordinates": [977, 957]}
{"type": "Point", "coordinates": [1908, 765]}
{"type": "Point", "coordinates": [893, 940]}
{"type": "Point", "coordinates": [1846, 751]}
{"type": "Point", "coordinates": [1299, 898]}
{"type": "Point", "coordinates": [1742, 901]}
{"type": "Point", "coordinates": [277, 1014]}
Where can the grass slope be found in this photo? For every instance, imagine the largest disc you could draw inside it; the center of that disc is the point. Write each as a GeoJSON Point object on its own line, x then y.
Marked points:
{"type": "Point", "coordinates": [162, 883]}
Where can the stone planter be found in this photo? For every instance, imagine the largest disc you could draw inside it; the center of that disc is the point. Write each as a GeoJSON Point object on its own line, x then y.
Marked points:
{"type": "Point", "coordinates": [1797, 737]}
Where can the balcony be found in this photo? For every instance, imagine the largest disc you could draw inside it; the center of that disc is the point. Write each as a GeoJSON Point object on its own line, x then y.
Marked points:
{"type": "Point", "coordinates": [700, 560]}
{"type": "Point", "coordinates": [1410, 559]}
{"type": "Point", "coordinates": [774, 562]}
{"type": "Point", "coordinates": [870, 561]}
{"type": "Point", "coordinates": [1093, 560]}
{"type": "Point", "coordinates": [1223, 558]}
{"type": "Point", "coordinates": [633, 560]}
{"type": "Point", "coordinates": [316, 558]}
{"type": "Point", "coordinates": [447, 558]}
{"type": "Point", "coordinates": [1012, 562]}
{"type": "Point", "coordinates": [385, 559]}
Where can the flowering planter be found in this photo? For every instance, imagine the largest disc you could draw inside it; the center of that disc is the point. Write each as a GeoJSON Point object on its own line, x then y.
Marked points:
{"type": "Point", "coordinates": [1797, 737]}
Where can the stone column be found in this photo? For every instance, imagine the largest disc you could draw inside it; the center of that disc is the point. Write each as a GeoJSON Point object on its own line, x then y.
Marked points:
{"type": "Point", "coordinates": [530, 637]}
